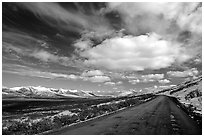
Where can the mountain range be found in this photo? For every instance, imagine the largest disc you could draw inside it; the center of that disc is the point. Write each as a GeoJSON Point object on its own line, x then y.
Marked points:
{"type": "Point", "coordinates": [188, 93]}
{"type": "Point", "coordinates": [43, 92]}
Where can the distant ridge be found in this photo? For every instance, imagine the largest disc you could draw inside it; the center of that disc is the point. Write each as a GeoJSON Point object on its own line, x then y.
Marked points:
{"type": "Point", "coordinates": [43, 92]}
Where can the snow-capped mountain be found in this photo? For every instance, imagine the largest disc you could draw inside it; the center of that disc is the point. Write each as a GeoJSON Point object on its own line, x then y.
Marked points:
{"type": "Point", "coordinates": [43, 92]}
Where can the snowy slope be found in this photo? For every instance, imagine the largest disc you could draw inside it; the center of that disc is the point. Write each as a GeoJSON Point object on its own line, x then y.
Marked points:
{"type": "Point", "coordinates": [43, 92]}
{"type": "Point", "coordinates": [188, 93]}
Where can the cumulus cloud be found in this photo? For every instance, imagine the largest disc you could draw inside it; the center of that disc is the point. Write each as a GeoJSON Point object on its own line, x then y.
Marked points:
{"type": "Point", "coordinates": [166, 86]}
{"type": "Point", "coordinates": [119, 82]}
{"type": "Point", "coordinates": [151, 36]}
{"type": "Point", "coordinates": [152, 77]}
{"type": "Point", "coordinates": [178, 22]}
{"type": "Point", "coordinates": [135, 53]}
{"type": "Point", "coordinates": [48, 57]}
{"type": "Point", "coordinates": [191, 17]}
{"type": "Point", "coordinates": [155, 36]}
{"type": "Point", "coordinates": [164, 81]}
{"type": "Point", "coordinates": [95, 76]}
{"type": "Point", "coordinates": [145, 78]}
{"type": "Point", "coordinates": [72, 76]}
{"type": "Point", "coordinates": [83, 44]}
{"type": "Point", "coordinates": [159, 17]}
{"type": "Point", "coordinates": [156, 88]}
{"type": "Point", "coordinates": [191, 72]}
{"type": "Point", "coordinates": [134, 81]}
{"type": "Point", "coordinates": [97, 79]}
{"type": "Point", "coordinates": [151, 89]}
{"type": "Point", "coordinates": [110, 83]}
{"type": "Point", "coordinates": [67, 76]}
{"type": "Point", "coordinates": [198, 60]}
{"type": "Point", "coordinates": [91, 73]}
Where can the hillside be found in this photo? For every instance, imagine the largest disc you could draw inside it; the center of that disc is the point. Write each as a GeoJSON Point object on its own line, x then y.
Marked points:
{"type": "Point", "coordinates": [159, 116]}
{"type": "Point", "coordinates": [188, 93]}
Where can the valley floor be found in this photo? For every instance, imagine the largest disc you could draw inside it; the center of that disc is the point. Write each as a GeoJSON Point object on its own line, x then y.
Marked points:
{"type": "Point", "coordinates": [158, 116]}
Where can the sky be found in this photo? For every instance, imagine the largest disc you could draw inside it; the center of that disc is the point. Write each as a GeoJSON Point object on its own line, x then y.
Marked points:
{"type": "Point", "coordinates": [105, 48]}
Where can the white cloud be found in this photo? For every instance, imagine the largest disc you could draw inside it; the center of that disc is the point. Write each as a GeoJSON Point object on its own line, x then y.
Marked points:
{"type": "Point", "coordinates": [110, 83]}
{"type": "Point", "coordinates": [97, 79]}
{"type": "Point", "coordinates": [119, 82]}
{"type": "Point", "coordinates": [116, 75]}
{"type": "Point", "coordinates": [166, 86]}
{"type": "Point", "coordinates": [164, 81]}
{"type": "Point", "coordinates": [135, 53]}
{"type": "Point", "coordinates": [172, 85]}
{"type": "Point", "coordinates": [159, 17]}
{"type": "Point", "coordinates": [155, 86]}
{"type": "Point", "coordinates": [67, 76]}
{"type": "Point", "coordinates": [191, 72]}
{"type": "Point", "coordinates": [170, 20]}
{"type": "Point", "coordinates": [131, 76]}
{"type": "Point", "coordinates": [135, 81]}
{"type": "Point", "coordinates": [94, 76]}
{"type": "Point", "coordinates": [153, 77]}
{"type": "Point", "coordinates": [83, 44]}
{"type": "Point", "coordinates": [191, 17]}
{"type": "Point", "coordinates": [72, 76]}
{"type": "Point", "coordinates": [92, 73]}
{"type": "Point", "coordinates": [198, 60]}
{"type": "Point", "coordinates": [46, 56]}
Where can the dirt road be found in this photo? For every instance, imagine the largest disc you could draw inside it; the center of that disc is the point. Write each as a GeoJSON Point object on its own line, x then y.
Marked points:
{"type": "Point", "coordinates": [158, 116]}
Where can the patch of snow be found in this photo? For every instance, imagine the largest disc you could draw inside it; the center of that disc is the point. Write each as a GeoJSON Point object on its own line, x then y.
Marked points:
{"type": "Point", "coordinates": [39, 88]}
{"type": "Point", "coordinates": [16, 88]}
{"type": "Point", "coordinates": [36, 120]}
{"type": "Point", "coordinates": [103, 104]}
{"type": "Point", "coordinates": [147, 99]}
{"type": "Point", "coordinates": [70, 95]}
{"type": "Point", "coordinates": [172, 116]}
{"type": "Point", "coordinates": [66, 112]}
{"type": "Point", "coordinates": [73, 90]}
{"type": "Point", "coordinates": [199, 112]}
